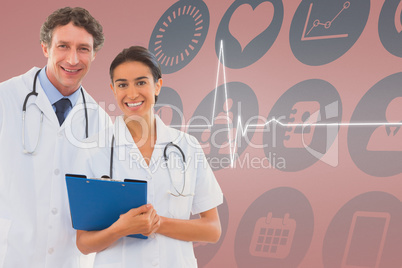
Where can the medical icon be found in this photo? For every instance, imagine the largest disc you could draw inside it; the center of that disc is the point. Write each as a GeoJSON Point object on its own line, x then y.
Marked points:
{"type": "Point", "coordinates": [276, 230]}
{"type": "Point", "coordinates": [303, 117]}
{"type": "Point", "coordinates": [273, 237]}
{"type": "Point", "coordinates": [397, 18]}
{"type": "Point", "coordinates": [260, 18]}
{"type": "Point", "coordinates": [388, 137]}
{"type": "Point", "coordinates": [298, 138]}
{"type": "Point", "coordinates": [366, 239]}
{"type": "Point", "coordinates": [376, 148]}
{"type": "Point", "coordinates": [215, 122]}
{"type": "Point", "coordinates": [179, 34]}
{"type": "Point", "coordinates": [326, 25]}
{"type": "Point", "coordinates": [390, 26]}
{"type": "Point", "coordinates": [323, 30]}
{"type": "Point", "coordinates": [248, 29]}
{"type": "Point", "coordinates": [365, 232]}
{"type": "Point", "coordinates": [224, 133]}
{"type": "Point", "coordinates": [169, 108]}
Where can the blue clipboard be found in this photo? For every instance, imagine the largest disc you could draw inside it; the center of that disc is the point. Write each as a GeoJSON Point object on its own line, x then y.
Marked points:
{"type": "Point", "coordinates": [97, 204]}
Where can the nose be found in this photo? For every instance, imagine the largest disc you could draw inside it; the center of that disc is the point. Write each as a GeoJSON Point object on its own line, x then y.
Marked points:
{"type": "Point", "coordinates": [72, 57]}
{"type": "Point", "coordinates": [132, 92]}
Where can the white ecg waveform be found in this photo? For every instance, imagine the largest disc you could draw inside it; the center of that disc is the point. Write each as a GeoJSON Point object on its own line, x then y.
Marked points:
{"type": "Point", "coordinates": [242, 130]}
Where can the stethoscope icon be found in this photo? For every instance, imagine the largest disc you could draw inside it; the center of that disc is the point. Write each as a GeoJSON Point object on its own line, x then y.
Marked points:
{"type": "Point", "coordinates": [166, 158]}
{"type": "Point", "coordinates": [24, 110]}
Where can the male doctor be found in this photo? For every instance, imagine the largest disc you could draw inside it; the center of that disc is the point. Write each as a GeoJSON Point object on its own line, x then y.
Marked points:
{"type": "Point", "coordinates": [35, 224]}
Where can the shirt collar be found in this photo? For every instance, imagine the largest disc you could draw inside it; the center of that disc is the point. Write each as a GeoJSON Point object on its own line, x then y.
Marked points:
{"type": "Point", "coordinates": [51, 91]}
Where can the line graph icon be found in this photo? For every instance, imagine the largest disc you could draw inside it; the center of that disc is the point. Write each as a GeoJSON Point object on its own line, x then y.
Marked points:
{"type": "Point", "coordinates": [326, 25]}
{"type": "Point", "coordinates": [323, 30]}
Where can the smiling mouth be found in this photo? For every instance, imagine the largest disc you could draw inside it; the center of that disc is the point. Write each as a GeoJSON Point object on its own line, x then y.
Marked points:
{"type": "Point", "coordinates": [70, 70]}
{"type": "Point", "coordinates": [134, 104]}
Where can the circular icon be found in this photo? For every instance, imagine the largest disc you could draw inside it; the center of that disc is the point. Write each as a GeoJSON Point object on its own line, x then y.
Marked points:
{"type": "Point", "coordinates": [205, 252]}
{"type": "Point", "coordinates": [365, 233]}
{"type": "Point", "coordinates": [303, 126]}
{"type": "Point", "coordinates": [376, 147]}
{"type": "Point", "coordinates": [275, 231]}
{"type": "Point", "coordinates": [390, 27]}
{"type": "Point", "coordinates": [169, 108]}
{"type": "Point", "coordinates": [219, 121]}
{"type": "Point", "coordinates": [322, 31]}
{"type": "Point", "coordinates": [245, 45]}
{"type": "Point", "coordinates": [179, 34]}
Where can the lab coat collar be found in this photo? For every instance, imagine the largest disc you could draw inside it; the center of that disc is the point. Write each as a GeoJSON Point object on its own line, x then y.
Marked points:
{"type": "Point", "coordinates": [43, 102]}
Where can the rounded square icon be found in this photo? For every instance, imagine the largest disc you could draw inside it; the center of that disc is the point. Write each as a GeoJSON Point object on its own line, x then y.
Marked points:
{"type": "Point", "coordinates": [324, 30]}
{"type": "Point", "coordinates": [179, 34]}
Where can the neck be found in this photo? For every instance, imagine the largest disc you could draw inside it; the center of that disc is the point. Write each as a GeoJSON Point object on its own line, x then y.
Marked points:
{"type": "Point", "coordinates": [142, 129]}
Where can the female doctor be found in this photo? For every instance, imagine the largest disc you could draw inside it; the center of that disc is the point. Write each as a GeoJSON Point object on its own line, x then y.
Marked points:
{"type": "Point", "coordinates": [139, 139]}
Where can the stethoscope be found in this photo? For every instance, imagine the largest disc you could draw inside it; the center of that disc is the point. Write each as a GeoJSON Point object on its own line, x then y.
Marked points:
{"type": "Point", "coordinates": [24, 109]}
{"type": "Point", "coordinates": [166, 158]}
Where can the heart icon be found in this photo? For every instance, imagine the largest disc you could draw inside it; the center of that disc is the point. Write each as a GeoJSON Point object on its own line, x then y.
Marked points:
{"type": "Point", "coordinates": [246, 23]}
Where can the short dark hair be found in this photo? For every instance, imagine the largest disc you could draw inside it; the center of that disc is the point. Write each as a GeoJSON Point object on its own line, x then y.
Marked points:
{"type": "Point", "coordinates": [80, 18]}
{"type": "Point", "coordinates": [140, 54]}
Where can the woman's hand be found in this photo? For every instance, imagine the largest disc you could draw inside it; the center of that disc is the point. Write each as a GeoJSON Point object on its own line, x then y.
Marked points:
{"type": "Point", "coordinates": [142, 220]}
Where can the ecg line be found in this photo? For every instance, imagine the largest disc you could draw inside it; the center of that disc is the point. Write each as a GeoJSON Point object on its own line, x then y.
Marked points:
{"type": "Point", "coordinates": [242, 130]}
{"type": "Point", "coordinates": [327, 25]}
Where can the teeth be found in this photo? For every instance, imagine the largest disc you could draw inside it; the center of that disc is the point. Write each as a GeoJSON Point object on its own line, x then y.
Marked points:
{"type": "Point", "coordinates": [70, 71]}
{"type": "Point", "coordinates": [134, 104]}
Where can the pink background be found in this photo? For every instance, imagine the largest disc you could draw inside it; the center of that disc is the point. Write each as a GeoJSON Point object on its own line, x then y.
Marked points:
{"type": "Point", "coordinates": [129, 23]}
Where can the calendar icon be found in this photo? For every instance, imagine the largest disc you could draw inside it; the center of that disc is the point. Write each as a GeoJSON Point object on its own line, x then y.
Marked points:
{"type": "Point", "coordinates": [273, 237]}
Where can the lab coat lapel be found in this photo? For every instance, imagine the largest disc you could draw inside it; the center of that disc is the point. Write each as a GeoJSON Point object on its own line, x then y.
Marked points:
{"type": "Point", "coordinates": [165, 135]}
{"type": "Point", "coordinates": [44, 104]}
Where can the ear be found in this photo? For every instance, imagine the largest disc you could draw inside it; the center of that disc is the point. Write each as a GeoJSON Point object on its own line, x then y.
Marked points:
{"type": "Point", "coordinates": [158, 86]}
{"type": "Point", "coordinates": [94, 56]}
{"type": "Point", "coordinates": [111, 86]}
{"type": "Point", "coordinates": [45, 49]}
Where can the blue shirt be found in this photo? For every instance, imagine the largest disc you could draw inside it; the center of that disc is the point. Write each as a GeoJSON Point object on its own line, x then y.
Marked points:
{"type": "Point", "coordinates": [53, 94]}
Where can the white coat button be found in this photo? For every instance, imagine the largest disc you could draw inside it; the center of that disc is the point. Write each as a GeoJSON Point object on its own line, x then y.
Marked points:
{"type": "Point", "coordinates": [155, 262]}
{"type": "Point", "coordinates": [54, 211]}
{"type": "Point", "coordinates": [60, 135]}
{"type": "Point", "coordinates": [50, 250]}
{"type": "Point", "coordinates": [56, 171]}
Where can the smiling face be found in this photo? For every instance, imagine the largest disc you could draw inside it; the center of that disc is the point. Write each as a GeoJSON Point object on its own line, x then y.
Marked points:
{"type": "Point", "coordinates": [135, 89]}
{"type": "Point", "coordinates": [70, 55]}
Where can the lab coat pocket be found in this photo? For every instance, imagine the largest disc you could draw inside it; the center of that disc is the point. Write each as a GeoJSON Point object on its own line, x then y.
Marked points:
{"type": "Point", "coordinates": [180, 197]}
{"type": "Point", "coordinates": [4, 229]}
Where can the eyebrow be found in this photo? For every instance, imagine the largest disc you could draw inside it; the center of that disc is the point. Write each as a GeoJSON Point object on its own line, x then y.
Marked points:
{"type": "Point", "coordinates": [82, 44]}
{"type": "Point", "coordinates": [125, 80]}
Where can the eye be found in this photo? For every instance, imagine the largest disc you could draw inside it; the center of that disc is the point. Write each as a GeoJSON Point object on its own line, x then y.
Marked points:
{"type": "Point", "coordinates": [85, 49]}
{"type": "Point", "coordinates": [141, 83]}
{"type": "Point", "coordinates": [62, 46]}
{"type": "Point", "coordinates": [122, 85]}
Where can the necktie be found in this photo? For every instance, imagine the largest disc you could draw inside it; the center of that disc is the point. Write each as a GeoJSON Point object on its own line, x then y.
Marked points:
{"type": "Point", "coordinates": [61, 108]}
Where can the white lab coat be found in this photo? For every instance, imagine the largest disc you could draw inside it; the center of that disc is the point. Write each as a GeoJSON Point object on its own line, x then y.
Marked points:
{"type": "Point", "coordinates": [158, 250]}
{"type": "Point", "coordinates": [35, 223]}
